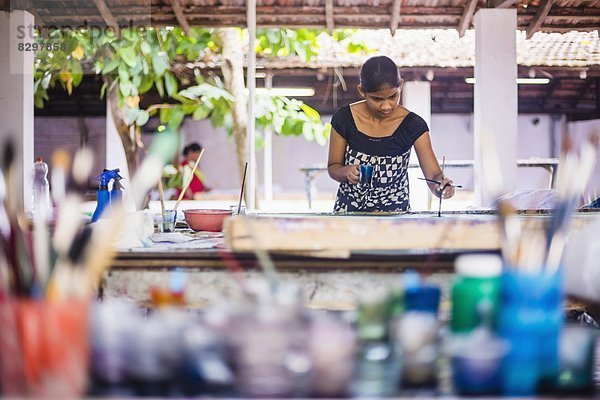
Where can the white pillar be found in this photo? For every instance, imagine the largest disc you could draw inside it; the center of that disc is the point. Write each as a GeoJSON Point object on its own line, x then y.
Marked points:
{"type": "Point", "coordinates": [16, 98]}
{"type": "Point", "coordinates": [495, 104]}
{"type": "Point", "coordinates": [116, 158]}
{"type": "Point", "coordinates": [251, 85]}
{"type": "Point", "coordinates": [268, 151]}
{"type": "Point", "coordinates": [417, 98]}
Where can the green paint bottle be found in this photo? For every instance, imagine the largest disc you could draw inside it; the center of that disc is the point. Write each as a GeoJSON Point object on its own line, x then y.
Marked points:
{"type": "Point", "coordinates": [477, 279]}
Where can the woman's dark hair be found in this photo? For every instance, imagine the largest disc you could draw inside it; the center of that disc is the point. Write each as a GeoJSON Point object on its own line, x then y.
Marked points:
{"type": "Point", "coordinates": [195, 146]}
{"type": "Point", "coordinates": [379, 72]}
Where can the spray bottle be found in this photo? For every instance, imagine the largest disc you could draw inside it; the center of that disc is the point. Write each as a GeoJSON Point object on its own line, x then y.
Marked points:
{"type": "Point", "coordinates": [116, 194]}
{"type": "Point", "coordinates": [104, 196]}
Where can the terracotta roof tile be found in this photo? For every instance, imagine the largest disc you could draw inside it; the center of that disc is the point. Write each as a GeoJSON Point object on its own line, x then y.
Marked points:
{"type": "Point", "coordinates": [444, 48]}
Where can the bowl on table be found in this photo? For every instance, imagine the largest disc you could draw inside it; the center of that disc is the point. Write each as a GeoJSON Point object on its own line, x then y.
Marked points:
{"type": "Point", "coordinates": [206, 220]}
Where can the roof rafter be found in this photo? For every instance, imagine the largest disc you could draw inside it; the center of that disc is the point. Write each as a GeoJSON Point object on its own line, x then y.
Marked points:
{"type": "Point", "coordinates": [107, 16]}
{"type": "Point", "coordinates": [329, 15]}
{"type": "Point", "coordinates": [395, 20]}
{"type": "Point", "coordinates": [178, 10]}
{"type": "Point", "coordinates": [465, 20]}
{"type": "Point", "coordinates": [540, 16]}
{"type": "Point", "coordinates": [500, 3]}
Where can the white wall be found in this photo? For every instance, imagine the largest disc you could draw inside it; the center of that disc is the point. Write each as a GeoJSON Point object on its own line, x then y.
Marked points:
{"type": "Point", "coordinates": [452, 136]}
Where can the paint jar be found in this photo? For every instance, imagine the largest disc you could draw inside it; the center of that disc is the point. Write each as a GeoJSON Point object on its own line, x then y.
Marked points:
{"type": "Point", "coordinates": [530, 318]}
{"type": "Point", "coordinates": [377, 371]}
{"type": "Point", "coordinates": [476, 360]}
{"type": "Point", "coordinates": [477, 279]}
{"type": "Point", "coordinates": [416, 334]}
{"type": "Point", "coordinates": [576, 359]}
{"type": "Point", "coordinates": [365, 176]}
{"type": "Point", "coordinates": [167, 221]}
{"type": "Point", "coordinates": [373, 317]}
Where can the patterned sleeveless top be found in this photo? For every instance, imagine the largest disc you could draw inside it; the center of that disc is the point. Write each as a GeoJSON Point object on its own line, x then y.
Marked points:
{"type": "Point", "coordinates": [389, 156]}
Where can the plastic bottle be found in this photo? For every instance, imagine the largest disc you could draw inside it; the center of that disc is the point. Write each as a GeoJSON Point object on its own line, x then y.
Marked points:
{"type": "Point", "coordinates": [477, 279]}
{"type": "Point", "coordinates": [41, 189]}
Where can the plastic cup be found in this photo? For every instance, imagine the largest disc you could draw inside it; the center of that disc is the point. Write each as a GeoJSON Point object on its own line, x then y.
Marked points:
{"type": "Point", "coordinates": [167, 221]}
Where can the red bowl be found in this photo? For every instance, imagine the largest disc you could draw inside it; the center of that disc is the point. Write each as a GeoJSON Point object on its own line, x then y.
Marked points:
{"type": "Point", "coordinates": [206, 220]}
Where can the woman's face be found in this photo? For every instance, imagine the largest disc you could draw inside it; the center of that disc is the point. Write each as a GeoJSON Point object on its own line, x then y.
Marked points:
{"type": "Point", "coordinates": [193, 156]}
{"type": "Point", "coordinates": [382, 103]}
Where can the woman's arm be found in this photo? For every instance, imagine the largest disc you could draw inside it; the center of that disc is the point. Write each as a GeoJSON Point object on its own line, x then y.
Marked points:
{"type": "Point", "coordinates": [335, 163]}
{"type": "Point", "coordinates": [431, 168]}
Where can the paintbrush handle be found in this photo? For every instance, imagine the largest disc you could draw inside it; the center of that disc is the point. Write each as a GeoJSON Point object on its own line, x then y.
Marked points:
{"type": "Point", "coordinates": [439, 182]}
{"type": "Point", "coordinates": [242, 188]}
{"type": "Point", "coordinates": [189, 180]}
{"type": "Point", "coordinates": [161, 195]}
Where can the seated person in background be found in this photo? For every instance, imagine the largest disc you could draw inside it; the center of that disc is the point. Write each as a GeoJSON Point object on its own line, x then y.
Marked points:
{"type": "Point", "coordinates": [191, 152]}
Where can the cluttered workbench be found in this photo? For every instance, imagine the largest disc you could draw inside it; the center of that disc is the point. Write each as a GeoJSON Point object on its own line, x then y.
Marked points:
{"type": "Point", "coordinates": [334, 257]}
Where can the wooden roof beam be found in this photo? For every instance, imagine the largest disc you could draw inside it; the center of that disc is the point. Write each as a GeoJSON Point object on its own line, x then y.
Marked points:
{"type": "Point", "coordinates": [107, 16]}
{"type": "Point", "coordinates": [178, 10]}
{"type": "Point", "coordinates": [467, 17]}
{"type": "Point", "coordinates": [395, 20]}
{"type": "Point", "coordinates": [329, 16]}
{"type": "Point", "coordinates": [540, 16]}
{"type": "Point", "coordinates": [500, 3]}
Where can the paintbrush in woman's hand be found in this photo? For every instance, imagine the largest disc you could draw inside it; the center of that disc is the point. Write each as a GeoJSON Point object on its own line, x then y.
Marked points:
{"type": "Point", "coordinates": [439, 183]}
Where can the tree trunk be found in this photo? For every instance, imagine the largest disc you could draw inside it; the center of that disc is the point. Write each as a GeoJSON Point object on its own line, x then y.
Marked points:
{"type": "Point", "coordinates": [125, 132]}
{"type": "Point", "coordinates": [233, 74]}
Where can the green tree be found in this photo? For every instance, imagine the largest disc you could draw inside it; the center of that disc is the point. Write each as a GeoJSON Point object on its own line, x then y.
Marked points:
{"type": "Point", "coordinates": [138, 61]}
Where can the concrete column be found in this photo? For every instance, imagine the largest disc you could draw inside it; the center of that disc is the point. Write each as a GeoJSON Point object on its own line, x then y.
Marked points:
{"type": "Point", "coordinates": [16, 99]}
{"type": "Point", "coordinates": [495, 104]}
{"type": "Point", "coordinates": [251, 85]}
{"type": "Point", "coordinates": [416, 96]}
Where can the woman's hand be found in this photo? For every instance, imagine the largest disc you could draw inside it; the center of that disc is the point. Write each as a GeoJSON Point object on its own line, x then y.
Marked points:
{"type": "Point", "coordinates": [352, 174]}
{"type": "Point", "coordinates": [445, 189]}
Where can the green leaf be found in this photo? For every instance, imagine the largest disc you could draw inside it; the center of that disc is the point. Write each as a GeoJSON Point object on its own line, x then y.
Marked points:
{"type": "Point", "coordinates": [145, 47]}
{"type": "Point", "coordinates": [310, 112]}
{"type": "Point", "coordinates": [123, 72]}
{"type": "Point", "coordinates": [170, 83]}
{"type": "Point", "coordinates": [159, 63]}
{"type": "Point", "coordinates": [103, 90]}
{"type": "Point", "coordinates": [46, 80]}
{"type": "Point", "coordinates": [160, 87]}
{"type": "Point", "coordinates": [145, 84]}
{"type": "Point", "coordinates": [110, 66]}
{"type": "Point", "coordinates": [128, 55]}
{"type": "Point", "coordinates": [125, 88]}
{"type": "Point", "coordinates": [176, 118]}
{"type": "Point", "coordinates": [189, 108]}
{"type": "Point", "coordinates": [201, 113]}
{"type": "Point", "coordinates": [164, 114]}
{"type": "Point", "coordinates": [39, 103]}
{"type": "Point", "coordinates": [76, 72]}
{"type": "Point", "coordinates": [142, 118]}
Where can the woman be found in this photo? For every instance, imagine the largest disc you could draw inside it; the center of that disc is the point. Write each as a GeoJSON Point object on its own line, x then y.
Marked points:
{"type": "Point", "coordinates": [191, 153]}
{"type": "Point", "coordinates": [377, 131]}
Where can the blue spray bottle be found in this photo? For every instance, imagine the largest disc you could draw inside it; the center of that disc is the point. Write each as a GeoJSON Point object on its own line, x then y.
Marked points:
{"type": "Point", "coordinates": [116, 194]}
{"type": "Point", "coordinates": [104, 196]}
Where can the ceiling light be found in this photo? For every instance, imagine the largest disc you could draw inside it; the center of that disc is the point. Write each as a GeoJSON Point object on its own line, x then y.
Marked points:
{"type": "Point", "coordinates": [583, 74]}
{"type": "Point", "coordinates": [521, 81]}
{"type": "Point", "coordinates": [288, 91]}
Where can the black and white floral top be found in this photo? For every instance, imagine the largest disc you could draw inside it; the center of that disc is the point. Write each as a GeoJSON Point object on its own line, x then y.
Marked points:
{"type": "Point", "coordinates": [389, 156]}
